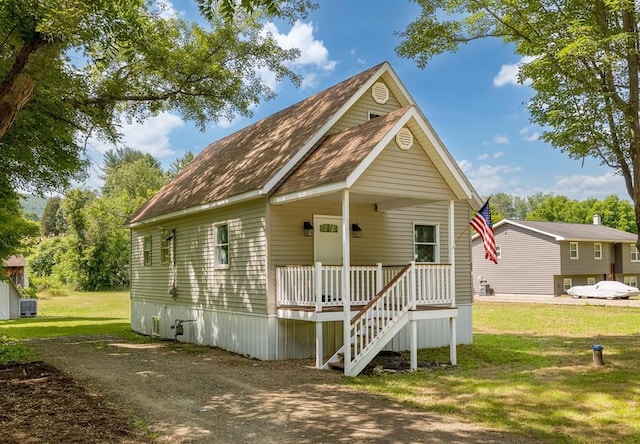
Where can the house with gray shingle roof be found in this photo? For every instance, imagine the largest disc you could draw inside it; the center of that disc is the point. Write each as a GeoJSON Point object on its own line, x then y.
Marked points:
{"type": "Point", "coordinates": [331, 222]}
{"type": "Point", "coordinates": [548, 258]}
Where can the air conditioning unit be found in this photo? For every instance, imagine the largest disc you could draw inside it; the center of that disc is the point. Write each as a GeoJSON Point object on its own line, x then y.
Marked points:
{"type": "Point", "coordinates": [28, 308]}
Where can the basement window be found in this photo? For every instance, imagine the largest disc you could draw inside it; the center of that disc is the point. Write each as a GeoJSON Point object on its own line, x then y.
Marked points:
{"type": "Point", "coordinates": [631, 281]}
{"type": "Point", "coordinates": [567, 283]}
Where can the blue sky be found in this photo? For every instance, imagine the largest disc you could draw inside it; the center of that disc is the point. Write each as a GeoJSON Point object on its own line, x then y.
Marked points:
{"type": "Point", "coordinates": [470, 98]}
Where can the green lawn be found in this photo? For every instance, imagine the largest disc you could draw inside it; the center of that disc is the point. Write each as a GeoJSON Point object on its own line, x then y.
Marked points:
{"type": "Point", "coordinates": [529, 370]}
{"type": "Point", "coordinates": [75, 314]}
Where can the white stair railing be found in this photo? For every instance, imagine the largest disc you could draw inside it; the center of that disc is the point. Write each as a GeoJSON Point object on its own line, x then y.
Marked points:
{"type": "Point", "coordinates": [381, 319]}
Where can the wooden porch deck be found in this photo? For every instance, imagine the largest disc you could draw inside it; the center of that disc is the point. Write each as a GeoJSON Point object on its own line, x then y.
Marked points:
{"type": "Point", "coordinates": [336, 313]}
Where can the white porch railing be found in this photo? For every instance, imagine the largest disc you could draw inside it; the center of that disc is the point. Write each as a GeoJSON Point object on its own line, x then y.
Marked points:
{"type": "Point", "coordinates": [321, 285]}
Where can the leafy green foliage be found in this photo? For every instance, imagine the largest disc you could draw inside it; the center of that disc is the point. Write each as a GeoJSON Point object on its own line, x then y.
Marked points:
{"type": "Point", "coordinates": [70, 70]}
{"type": "Point", "coordinates": [15, 229]}
{"type": "Point", "coordinates": [581, 59]}
{"type": "Point", "coordinates": [613, 211]}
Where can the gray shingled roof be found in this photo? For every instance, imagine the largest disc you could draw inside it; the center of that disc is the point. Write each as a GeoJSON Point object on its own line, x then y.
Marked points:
{"type": "Point", "coordinates": [14, 261]}
{"type": "Point", "coordinates": [247, 160]}
{"type": "Point", "coordinates": [577, 232]}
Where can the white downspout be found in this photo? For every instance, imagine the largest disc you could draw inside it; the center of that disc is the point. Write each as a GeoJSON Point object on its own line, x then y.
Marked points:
{"type": "Point", "coordinates": [346, 284]}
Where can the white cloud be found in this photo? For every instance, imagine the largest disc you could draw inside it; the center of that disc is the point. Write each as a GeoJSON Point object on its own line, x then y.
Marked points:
{"type": "Point", "coordinates": [498, 154]}
{"type": "Point", "coordinates": [584, 186]}
{"type": "Point", "coordinates": [508, 74]}
{"type": "Point", "coordinates": [488, 179]}
{"type": "Point", "coordinates": [529, 136]}
{"type": "Point", "coordinates": [314, 56]}
{"type": "Point", "coordinates": [166, 9]}
{"type": "Point", "coordinates": [483, 156]}
{"type": "Point", "coordinates": [501, 139]}
{"type": "Point", "coordinates": [150, 136]}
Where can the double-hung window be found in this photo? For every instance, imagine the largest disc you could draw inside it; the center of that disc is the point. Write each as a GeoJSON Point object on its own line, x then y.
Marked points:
{"type": "Point", "coordinates": [597, 251]}
{"type": "Point", "coordinates": [573, 250]}
{"type": "Point", "coordinates": [635, 254]}
{"type": "Point", "coordinates": [631, 280]}
{"type": "Point", "coordinates": [425, 243]}
{"type": "Point", "coordinates": [567, 283]}
{"type": "Point", "coordinates": [222, 245]}
{"type": "Point", "coordinates": [147, 250]}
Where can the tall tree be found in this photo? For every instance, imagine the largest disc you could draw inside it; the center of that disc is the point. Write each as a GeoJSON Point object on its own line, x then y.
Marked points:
{"type": "Point", "coordinates": [582, 59]}
{"type": "Point", "coordinates": [74, 68]}
{"type": "Point", "coordinates": [178, 164]}
{"type": "Point", "coordinates": [49, 225]}
{"type": "Point", "coordinates": [15, 229]}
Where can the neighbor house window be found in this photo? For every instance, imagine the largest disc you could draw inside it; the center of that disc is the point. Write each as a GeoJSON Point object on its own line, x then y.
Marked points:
{"type": "Point", "coordinates": [573, 250]}
{"type": "Point", "coordinates": [591, 281]}
{"type": "Point", "coordinates": [567, 283]}
{"type": "Point", "coordinates": [147, 250]}
{"type": "Point", "coordinates": [635, 254]}
{"type": "Point", "coordinates": [222, 245]}
{"type": "Point", "coordinates": [597, 250]}
{"type": "Point", "coordinates": [425, 243]}
{"type": "Point", "coordinates": [631, 280]}
{"type": "Point", "coordinates": [498, 251]}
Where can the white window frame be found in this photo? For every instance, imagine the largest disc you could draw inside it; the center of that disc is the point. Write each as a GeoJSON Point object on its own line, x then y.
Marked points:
{"type": "Point", "coordinates": [634, 253]}
{"type": "Point", "coordinates": [631, 280]}
{"type": "Point", "coordinates": [591, 280]}
{"type": "Point", "coordinates": [436, 244]}
{"type": "Point", "coordinates": [572, 251]}
{"type": "Point", "coordinates": [165, 248]}
{"type": "Point", "coordinates": [567, 283]}
{"type": "Point", "coordinates": [597, 250]}
{"type": "Point", "coordinates": [147, 253]}
{"type": "Point", "coordinates": [219, 245]}
{"type": "Point", "coordinates": [498, 251]}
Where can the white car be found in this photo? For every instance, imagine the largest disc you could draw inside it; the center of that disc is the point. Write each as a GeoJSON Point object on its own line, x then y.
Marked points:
{"type": "Point", "coordinates": [604, 289]}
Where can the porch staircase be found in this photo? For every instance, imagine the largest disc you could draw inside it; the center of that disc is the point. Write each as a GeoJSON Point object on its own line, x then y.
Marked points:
{"type": "Point", "coordinates": [375, 325]}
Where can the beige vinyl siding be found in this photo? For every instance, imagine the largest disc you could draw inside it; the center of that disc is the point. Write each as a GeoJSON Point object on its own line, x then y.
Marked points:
{"type": "Point", "coordinates": [406, 174]}
{"type": "Point", "coordinates": [359, 112]}
{"type": "Point", "coordinates": [628, 267]}
{"type": "Point", "coordinates": [585, 263]}
{"type": "Point", "coordinates": [529, 262]}
{"type": "Point", "coordinates": [240, 288]}
{"type": "Point", "coordinates": [387, 237]}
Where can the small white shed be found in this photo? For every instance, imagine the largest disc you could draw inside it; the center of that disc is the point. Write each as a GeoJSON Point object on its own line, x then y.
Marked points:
{"type": "Point", "coordinates": [9, 300]}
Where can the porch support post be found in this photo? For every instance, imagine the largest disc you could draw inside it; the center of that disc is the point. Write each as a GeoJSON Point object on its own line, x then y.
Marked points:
{"type": "Point", "coordinates": [414, 345]}
{"type": "Point", "coordinates": [452, 252]}
{"type": "Point", "coordinates": [319, 345]}
{"type": "Point", "coordinates": [453, 354]}
{"type": "Point", "coordinates": [346, 284]}
{"type": "Point", "coordinates": [379, 278]}
{"type": "Point", "coordinates": [318, 286]}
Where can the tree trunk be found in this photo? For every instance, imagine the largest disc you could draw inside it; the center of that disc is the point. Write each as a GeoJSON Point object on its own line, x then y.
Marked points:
{"type": "Point", "coordinates": [18, 85]}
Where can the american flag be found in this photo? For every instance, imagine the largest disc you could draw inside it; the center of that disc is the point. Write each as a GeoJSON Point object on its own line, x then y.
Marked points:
{"type": "Point", "coordinates": [481, 222]}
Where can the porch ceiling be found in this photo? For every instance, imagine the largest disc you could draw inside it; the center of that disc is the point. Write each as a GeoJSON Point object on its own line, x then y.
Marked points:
{"type": "Point", "coordinates": [382, 202]}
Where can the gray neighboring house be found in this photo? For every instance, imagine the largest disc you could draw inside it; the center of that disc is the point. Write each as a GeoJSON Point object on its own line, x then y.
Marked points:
{"type": "Point", "coordinates": [547, 258]}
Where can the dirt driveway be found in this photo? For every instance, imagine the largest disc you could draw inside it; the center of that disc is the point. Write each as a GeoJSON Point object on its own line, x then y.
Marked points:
{"type": "Point", "coordinates": [189, 394]}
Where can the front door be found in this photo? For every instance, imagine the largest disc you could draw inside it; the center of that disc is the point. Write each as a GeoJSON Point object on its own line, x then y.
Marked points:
{"type": "Point", "coordinates": [327, 242]}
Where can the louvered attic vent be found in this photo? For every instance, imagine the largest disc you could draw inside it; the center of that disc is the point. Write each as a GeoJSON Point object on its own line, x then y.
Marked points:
{"type": "Point", "coordinates": [404, 139]}
{"type": "Point", "coordinates": [380, 93]}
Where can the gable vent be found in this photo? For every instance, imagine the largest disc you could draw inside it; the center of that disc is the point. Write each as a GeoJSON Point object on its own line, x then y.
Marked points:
{"type": "Point", "coordinates": [380, 93]}
{"type": "Point", "coordinates": [404, 139]}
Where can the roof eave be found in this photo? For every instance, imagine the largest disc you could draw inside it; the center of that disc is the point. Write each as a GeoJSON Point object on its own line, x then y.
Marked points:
{"type": "Point", "coordinates": [244, 197]}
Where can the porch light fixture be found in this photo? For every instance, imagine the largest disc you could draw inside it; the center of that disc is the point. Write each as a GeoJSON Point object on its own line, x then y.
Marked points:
{"type": "Point", "coordinates": [308, 228]}
{"type": "Point", "coordinates": [356, 231]}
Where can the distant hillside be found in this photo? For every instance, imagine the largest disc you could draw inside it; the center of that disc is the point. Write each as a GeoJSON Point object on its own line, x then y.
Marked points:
{"type": "Point", "coordinates": [33, 205]}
